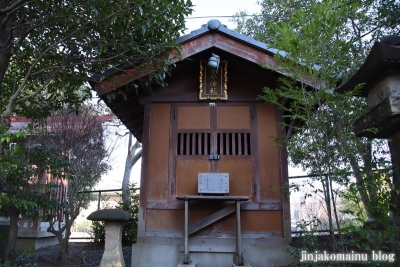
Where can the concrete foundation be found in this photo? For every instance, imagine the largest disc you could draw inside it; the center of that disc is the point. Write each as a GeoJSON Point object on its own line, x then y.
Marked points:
{"type": "Point", "coordinates": [146, 255]}
{"type": "Point", "coordinates": [34, 239]}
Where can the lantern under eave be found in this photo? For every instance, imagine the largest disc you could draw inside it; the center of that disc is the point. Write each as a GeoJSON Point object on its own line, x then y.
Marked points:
{"type": "Point", "coordinates": [380, 75]}
{"type": "Point", "coordinates": [384, 116]}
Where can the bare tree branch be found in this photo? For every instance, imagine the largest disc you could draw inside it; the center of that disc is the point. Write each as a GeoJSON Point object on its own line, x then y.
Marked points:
{"type": "Point", "coordinates": [41, 88]}
{"type": "Point", "coordinates": [131, 160]}
{"type": "Point", "coordinates": [17, 4]}
{"type": "Point", "coordinates": [80, 140]}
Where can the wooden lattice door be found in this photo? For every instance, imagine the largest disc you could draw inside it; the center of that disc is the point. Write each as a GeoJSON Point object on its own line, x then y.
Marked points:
{"type": "Point", "coordinates": [213, 137]}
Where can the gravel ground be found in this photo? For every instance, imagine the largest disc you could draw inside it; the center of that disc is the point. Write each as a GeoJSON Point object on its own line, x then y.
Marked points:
{"type": "Point", "coordinates": [79, 255]}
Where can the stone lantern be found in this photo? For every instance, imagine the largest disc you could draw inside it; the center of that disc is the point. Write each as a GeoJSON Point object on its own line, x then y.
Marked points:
{"type": "Point", "coordinates": [380, 75]}
{"type": "Point", "coordinates": [114, 224]}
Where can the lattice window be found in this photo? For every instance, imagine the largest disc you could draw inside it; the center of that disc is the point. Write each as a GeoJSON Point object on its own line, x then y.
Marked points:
{"type": "Point", "coordinates": [233, 144]}
{"type": "Point", "coordinates": [194, 144]}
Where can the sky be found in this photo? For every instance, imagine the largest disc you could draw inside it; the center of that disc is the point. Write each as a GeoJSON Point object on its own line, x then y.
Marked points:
{"type": "Point", "coordinates": [203, 11]}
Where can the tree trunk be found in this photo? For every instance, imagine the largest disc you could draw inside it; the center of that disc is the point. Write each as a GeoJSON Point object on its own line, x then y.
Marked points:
{"type": "Point", "coordinates": [131, 160]}
{"type": "Point", "coordinates": [365, 192]}
{"type": "Point", "coordinates": [62, 250]}
{"type": "Point", "coordinates": [5, 56]}
{"type": "Point", "coordinates": [394, 146]}
{"type": "Point", "coordinates": [62, 241]}
{"type": "Point", "coordinates": [5, 48]}
{"type": "Point", "coordinates": [13, 214]}
{"type": "Point", "coordinates": [361, 185]}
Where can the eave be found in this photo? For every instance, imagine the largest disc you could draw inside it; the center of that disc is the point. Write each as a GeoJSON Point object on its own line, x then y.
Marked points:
{"type": "Point", "coordinates": [383, 60]}
{"type": "Point", "coordinates": [188, 49]}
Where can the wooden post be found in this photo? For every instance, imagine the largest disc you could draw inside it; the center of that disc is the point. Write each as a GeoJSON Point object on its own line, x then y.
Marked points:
{"type": "Point", "coordinates": [186, 259]}
{"type": "Point", "coordinates": [238, 257]}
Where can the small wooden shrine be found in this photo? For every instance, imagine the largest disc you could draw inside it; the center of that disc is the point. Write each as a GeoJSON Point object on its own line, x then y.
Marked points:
{"type": "Point", "coordinates": [211, 122]}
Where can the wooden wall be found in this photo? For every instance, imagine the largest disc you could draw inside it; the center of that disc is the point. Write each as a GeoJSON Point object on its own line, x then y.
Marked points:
{"type": "Point", "coordinates": [258, 178]}
{"type": "Point", "coordinates": [168, 173]}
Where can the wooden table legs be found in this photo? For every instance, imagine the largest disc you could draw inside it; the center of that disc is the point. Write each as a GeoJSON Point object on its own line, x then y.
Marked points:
{"type": "Point", "coordinates": [186, 259]}
{"type": "Point", "coordinates": [238, 256]}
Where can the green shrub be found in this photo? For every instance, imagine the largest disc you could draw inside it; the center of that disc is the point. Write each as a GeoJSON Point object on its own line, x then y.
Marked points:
{"type": "Point", "coordinates": [129, 234]}
{"type": "Point", "coordinates": [98, 234]}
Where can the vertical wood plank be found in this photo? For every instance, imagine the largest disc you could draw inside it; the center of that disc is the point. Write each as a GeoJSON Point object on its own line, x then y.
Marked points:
{"type": "Point", "coordinates": [246, 147]}
{"type": "Point", "coordinates": [193, 144]}
{"type": "Point", "coordinates": [234, 144]}
{"type": "Point", "coordinates": [173, 143]}
{"type": "Point", "coordinates": [144, 179]}
{"type": "Point", "coordinates": [178, 137]}
{"type": "Point", "coordinates": [199, 137]}
{"type": "Point", "coordinates": [221, 144]}
{"type": "Point", "coordinates": [269, 154]}
{"type": "Point", "coordinates": [240, 143]}
{"type": "Point", "coordinates": [187, 144]}
{"type": "Point", "coordinates": [182, 135]}
{"type": "Point", "coordinates": [253, 150]}
{"type": "Point", "coordinates": [287, 229]}
{"type": "Point", "coordinates": [159, 152]}
{"type": "Point", "coordinates": [228, 149]}
{"type": "Point", "coordinates": [206, 141]}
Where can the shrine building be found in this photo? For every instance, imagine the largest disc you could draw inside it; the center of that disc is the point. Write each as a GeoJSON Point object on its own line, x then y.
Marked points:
{"type": "Point", "coordinates": [212, 177]}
